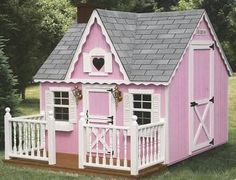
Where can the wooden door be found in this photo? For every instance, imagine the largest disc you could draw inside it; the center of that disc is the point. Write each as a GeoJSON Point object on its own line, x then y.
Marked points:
{"type": "Point", "coordinates": [201, 96]}
{"type": "Point", "coordinates": [99, 106]}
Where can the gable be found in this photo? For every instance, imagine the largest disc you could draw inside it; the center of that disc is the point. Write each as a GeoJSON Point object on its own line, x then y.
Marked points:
{"type": "Point", "coordinates": [96, 61]}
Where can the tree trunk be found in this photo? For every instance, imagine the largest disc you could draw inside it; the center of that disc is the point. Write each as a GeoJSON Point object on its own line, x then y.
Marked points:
{"type": "Point", "coordinates": [23, 93]}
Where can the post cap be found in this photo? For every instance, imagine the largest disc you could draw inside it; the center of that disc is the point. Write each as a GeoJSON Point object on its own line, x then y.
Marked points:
{"type": "Point", "coordinates": [134, 118]}
{"type": "Point", "coordinates": [50, 113]}
{"type": "Point", "coordinates": [82, 114]}
{"type": "Point", "coordinates": [7, 109]}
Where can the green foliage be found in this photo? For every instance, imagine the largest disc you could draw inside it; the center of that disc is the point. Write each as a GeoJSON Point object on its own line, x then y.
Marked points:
{"type": "Point", "coordinates": [184, 5]}
{"type": "Point", "coordinates": [33, 28]}
{"type": "Point", "coordinates": [8, 97]}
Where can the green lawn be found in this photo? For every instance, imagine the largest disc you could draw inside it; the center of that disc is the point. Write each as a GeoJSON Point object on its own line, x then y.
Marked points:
{"type": "Point", "coordinates": [219, 163]}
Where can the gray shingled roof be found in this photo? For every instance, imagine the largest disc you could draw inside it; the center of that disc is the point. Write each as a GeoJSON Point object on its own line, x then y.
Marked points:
{"type": "Point", "coordinates": [149, 44]}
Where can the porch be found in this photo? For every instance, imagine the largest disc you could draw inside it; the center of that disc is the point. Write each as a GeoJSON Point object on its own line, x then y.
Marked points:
{"type": "Point", "coordinates": [127, 150]}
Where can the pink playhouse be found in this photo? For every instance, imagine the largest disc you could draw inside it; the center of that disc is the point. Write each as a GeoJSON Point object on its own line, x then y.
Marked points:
{"type": "Point", "coordinates": [128, 91]}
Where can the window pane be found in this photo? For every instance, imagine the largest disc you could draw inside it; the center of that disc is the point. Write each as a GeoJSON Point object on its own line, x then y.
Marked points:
{"type": "Point", "coordinates": [57, 94]}
{"type": "Point", "coordinates": [146, 120]}
{"type": "Point", "coordinates": [147, 105]}
{"type": "Point", "coordinates": [65, 117]}
{"type": "Point", "coordinates": [65, 110]}
{"type": "Point", "coordinates": [137, 105]}
{"type": "Point", "coordinates": [58, 110]}
{"type": "Point", "coordinates": [138, 113]}
{"type": "Point", "coordinates": [65, 94]}
{"type": "Point", "coordinates": [65, 101]}
{"type": "Point", "coordinates": [146, 97]}
{"type": "Point", "coordinates": [137, 97]}
{"type": "Point", "coordinates": [57, 101]}
{"type": "Point", "coordinates": [58, 116]}
{"type": "Point", "coordinates": [147, 115]}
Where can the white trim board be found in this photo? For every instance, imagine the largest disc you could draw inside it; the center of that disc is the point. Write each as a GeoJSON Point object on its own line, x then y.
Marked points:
{"type": "Point", "coordinates": [95, 17]}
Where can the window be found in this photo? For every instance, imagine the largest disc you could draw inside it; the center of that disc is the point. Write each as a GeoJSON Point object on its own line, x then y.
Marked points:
{"type": "Point", "coordinates": [61, 106]}
{"type": "Point", "coordinates": [142, 106]}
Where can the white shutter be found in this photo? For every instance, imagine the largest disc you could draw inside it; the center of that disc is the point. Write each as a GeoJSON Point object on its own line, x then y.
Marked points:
{"type": "Point", "coordinates": [128, 109]}
{"type": "Point", "coordinates": [86, 62]}
{"type": "Point", "coordinates": [72, 108]}
{"type": "Point", "coordinates": [49, 102]}
{"type": "Point", "coordinates": [155, 107]}
{"type": "Point", "coordinates": [108, 62]}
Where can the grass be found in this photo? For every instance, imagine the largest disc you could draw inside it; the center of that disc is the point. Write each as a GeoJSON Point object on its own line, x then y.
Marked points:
{"type": "Point", "coordinates": [219, 163]}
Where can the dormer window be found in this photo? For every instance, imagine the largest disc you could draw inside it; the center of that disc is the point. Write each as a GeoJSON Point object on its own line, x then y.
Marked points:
{"type": "Point", "coordinates": [97, 62]}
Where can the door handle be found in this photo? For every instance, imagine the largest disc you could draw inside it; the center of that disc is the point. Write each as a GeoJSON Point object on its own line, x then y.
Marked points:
{"type": "Point", "coordinates": [111, 119]}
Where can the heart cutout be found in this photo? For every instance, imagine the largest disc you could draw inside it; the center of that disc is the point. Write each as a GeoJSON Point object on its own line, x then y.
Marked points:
{"type": "Point", "coordinates": [98, 63]}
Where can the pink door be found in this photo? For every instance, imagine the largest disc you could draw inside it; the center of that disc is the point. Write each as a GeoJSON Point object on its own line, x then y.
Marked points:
{"type": "Point", "coordinates": [99, 107]}
{"type": "Point", "coordinates": [201, 96]}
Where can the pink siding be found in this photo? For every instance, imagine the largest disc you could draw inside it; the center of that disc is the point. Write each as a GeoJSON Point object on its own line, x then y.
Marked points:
{"type": "Point", "coordinates": [178, 99]}
{"type": "Point", "coordinates": [95, 39]}
{"type": "Point", "coordinates": [67, 142]}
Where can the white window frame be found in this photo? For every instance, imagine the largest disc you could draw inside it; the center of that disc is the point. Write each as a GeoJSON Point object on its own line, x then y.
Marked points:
{"type": "Point", "coordinates": [143, 92]}
{"type": "Point", "coordinates": [61, 105]}
{"type": "Point", "coordinates": [62, 125]}
{"type": "Point", "coordinates": [100, 53]}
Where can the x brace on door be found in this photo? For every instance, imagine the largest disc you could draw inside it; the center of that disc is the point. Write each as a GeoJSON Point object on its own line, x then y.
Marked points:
{"type": "Point", "coordinates": [202, 120]}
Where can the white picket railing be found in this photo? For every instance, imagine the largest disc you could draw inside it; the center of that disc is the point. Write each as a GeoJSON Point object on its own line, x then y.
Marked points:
{"type": "Point", "coordinates": [107, 146]}
{"type": "Point", "coordinates": [25, 137]}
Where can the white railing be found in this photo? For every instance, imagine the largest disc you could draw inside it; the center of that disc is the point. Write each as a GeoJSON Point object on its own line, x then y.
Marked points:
{"type": "Point", "coordinates": [25, 137]}
{"type": "Point", "coordinates": [151, 144]}
{"type": "Point", "coordinates": [130, 148]}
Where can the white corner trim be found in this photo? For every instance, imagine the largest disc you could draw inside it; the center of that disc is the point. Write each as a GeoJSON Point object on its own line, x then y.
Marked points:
{"type": "Point", "coordinates": [141, 91]}
{"type": "Point", "coordinates": [95, 16]}
{"type": "Point", "coordinates": [167, 112]}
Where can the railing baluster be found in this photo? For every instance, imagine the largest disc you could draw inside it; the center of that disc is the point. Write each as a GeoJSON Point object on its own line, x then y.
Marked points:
{"type": "Point", "coordinates": [104, 148]}
{"type": "Point", "coordinates": [29, 138]}
{"type": "Point", "coordinates": [111, 144]}
{"type": "Point", "coordinates": [90, 132]}
{"type": "Point", "coordinates": [151, 144]}
{"type": "Point", "coordinates": [24, 138]}
{"type": "Point", "coordinates": [118, 147]}
{"type": "Point", "coordinates": [143, 142]}
{"type": "Point", "coordinates": [147, 145]}
{"type": "Point", "coordinates": [32, 138]}
{"type": "Point", "coordinates": [14, 138]}
{"type": "Point", "coordinates": [97, 158]}
{"type": "Point", "coordinates": [139, 148]}
{"type": "Point", "coordinates": [125, 148]}
{"type": "Point", "coordinates": [20, 138]}
{"type": "Point", "coordinates": [159, 143]}
{"type": "Point", "coordinates": [155, 143]}
{"type": "Point", "coordinates": [38, 139]}
{"type": "Point", "coordinates": [43, 127]}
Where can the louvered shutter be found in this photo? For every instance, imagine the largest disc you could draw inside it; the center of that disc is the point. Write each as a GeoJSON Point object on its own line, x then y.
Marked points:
{"type": "Point", "coordinates": [72, 108]}
{"type": "Point", "coordinates": [49, 102]}
{"type": "Point", "coordinates": [128, 108]}
{"type": "Point", "coordinates": [108, 62]}
{"type": "Point", "coordinates": [155, 107]}
{"type": "Point", "coordinates": [86, 62]}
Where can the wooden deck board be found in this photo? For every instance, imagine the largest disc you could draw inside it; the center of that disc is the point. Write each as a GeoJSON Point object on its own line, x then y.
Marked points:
{"type": "Point", "coordinates": [69, 163]}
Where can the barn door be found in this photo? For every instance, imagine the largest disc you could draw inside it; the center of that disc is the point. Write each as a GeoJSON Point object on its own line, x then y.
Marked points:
{"type": "Point", "coordinates": [99, 106]}
{"type": "Point", "coordinates": [201, 96]}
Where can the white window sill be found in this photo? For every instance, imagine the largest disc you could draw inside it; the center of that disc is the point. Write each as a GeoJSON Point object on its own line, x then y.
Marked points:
{"type": "Point", "coordinates": [98, 74]}
{"type": "Point", "coordinates": [63, 126]}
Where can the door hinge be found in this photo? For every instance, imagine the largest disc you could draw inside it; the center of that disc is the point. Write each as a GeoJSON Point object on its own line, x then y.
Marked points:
{"type": "Point", "coordinates": [111, 119]}
{"type": "Point", "coordinates": [212, 142]}
{"type": "Point", "coordinates": [212, 99]}
{"type": "Point", "coordinates": [109, 152]}
{"type": "Point", "coordinates": [212, 46]}
{"type": "Point", "coordinates": [192, 104]}
{"type": "Point", "coordinates": [110, 90]}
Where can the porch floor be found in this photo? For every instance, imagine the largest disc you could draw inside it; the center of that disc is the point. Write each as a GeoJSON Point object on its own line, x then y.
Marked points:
{"type": "Point", "coordinates": [69, 163]}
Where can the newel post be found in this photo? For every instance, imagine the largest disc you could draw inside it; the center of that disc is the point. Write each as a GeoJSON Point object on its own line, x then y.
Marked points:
{"type": "Point", "coordinates": [51, 139]}
{"type": "Point", "coordinates": [8, 131]}
{"type": "Point", "coordinates": [134, 146]}
{"type": "Point", "coordinates": [82, 141]}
